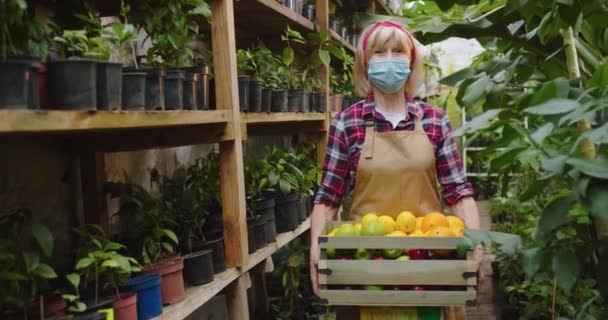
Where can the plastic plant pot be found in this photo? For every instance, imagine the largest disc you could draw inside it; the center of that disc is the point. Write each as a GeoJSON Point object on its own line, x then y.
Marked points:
{"type": "Point", "coordinates": [109, 86]}
{"type": "Point", "coordinates": [286, 212]}
{"type": "Point", "coordinates": [198, 267]}
{"type": "Point", "coordinates": [172, 283]}
{"type": "Point", "coordinates": [14, 84]}
{"type": "Point", "coordinates": [191, 91]}
{"type": "Point", "coordinates": [294, 100]}
{"type": "Point", "coordinates": [309, 12]}
{"type": "Point", "coordinates": [134, 90]}
{"type": "Point", "coordinates": [147, 288]}
{"type": "Point", "coordinates": [244, 93]}
{"type": "Point", "coordinates": [266, 100]}
{"type": "Point", "coordinates": [265, 208]}
{"type": "Point", "coordinates": [251, 233]}
{"type": "Point", "coordinates": [155, 89]}
{"type": "Point", "coordinates": [255, 96]}
{"type": "Point", "coordinates": [174, 90]}
{"type": "Point", "coordinates": [217, 252]}
{"type": "Point", "coordinates": [321, 102]}
{"type": "Point", "coordinates": [260, 233]}
{"type": "Point", "coordinates": [72, 85]}
{"type": "Point", "coordinates": [36, 80]}
{"type": "Point", "coordinates": [279, 101]}
{"type": "Point", "coordinates": [125, 306]}
{"type": "Point", "coordinates": [301, 203]}
{"type": "Point", "coordinates": [305, 102]}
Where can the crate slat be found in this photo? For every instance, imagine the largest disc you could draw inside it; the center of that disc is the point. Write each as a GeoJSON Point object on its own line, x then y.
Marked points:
{"type": "Point", "coordinates": [450, 243]}
{"type": "Point", "coordinates": [392, 272]}
{"type": "Point", "coordinates": [397, 298]}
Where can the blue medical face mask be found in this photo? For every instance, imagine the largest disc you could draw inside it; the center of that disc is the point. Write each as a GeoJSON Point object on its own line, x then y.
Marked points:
{"type": "Point", "coordinates": [389, 74]}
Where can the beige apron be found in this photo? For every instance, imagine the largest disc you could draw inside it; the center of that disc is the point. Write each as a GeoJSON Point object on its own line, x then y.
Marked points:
{"type": "Point", "coordinates": [396, 172]}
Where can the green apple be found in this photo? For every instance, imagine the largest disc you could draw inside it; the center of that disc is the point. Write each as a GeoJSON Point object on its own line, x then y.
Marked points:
{"type": "Point", "coordinates": [403, 258]}
{"type": "Point", "coordinates": [372, 287]}
{"type": "Point", "coordinates": [331, 253]}
{"type": "Point", "coordinates": [391, 253]}
{"type": "Point", "coordinates": [363, 254]}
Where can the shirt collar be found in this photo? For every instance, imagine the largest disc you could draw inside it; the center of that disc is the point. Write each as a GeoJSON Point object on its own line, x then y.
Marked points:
{"type": "Point", "coordinates": [413, 108]}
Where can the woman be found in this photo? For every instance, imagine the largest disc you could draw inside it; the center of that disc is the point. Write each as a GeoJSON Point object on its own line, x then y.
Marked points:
{"type": "Point", "coordinates": [389, 150]}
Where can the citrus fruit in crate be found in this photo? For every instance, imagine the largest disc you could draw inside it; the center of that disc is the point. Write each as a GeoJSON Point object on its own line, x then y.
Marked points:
{"type": "Point", "coordinates": [388, 222]}
{"type": "Point", "coordinates": [358, 226]}
{"type": "Point", "coordinates": [406, 222]}
{"type": "Point", "coordinates": [433, 220]}
{"type": "Point", "coordinates": [459, 232]}
{"type": "Point", "coordinates": [454, 222]}
{"type": "Point", "coordinates": [347, 230]}
{"type": "Point", "coordinates": [441, 232]}
{"type": "Point", "coordinates": [372, 229]}
{"type": "Point", "coordinates": [417, 233]}
{"type": "Point", "coordinates": [397, 233]}
{"type": "Point", "coordinates": [419, 223]}
{"type": "Point", "coordinates": [370, 217]}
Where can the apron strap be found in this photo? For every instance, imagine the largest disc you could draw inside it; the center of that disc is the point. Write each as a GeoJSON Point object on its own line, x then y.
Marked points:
{"type": "Point", "coordinates": [368, 143]}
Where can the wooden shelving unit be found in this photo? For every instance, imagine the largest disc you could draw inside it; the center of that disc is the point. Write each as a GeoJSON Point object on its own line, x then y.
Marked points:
{"type": "Point", "coordinates": [339, 38]}
{"type": "Point", "coordinates": [91, 135]}
{"type": "Point", "coordinates": [198, 296]}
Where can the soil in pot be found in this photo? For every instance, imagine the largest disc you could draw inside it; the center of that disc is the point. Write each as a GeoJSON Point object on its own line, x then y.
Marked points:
{"type": "Point", "coordinates": [174, 89]}
{"type": "Point", "coordinates": [72, 85]}
{"type": "Point", "coordinates": [198, 267]}
{"type": "Point", "coordinates": [190, 91]}
{"type": "Point", "coordinates": [294, 100]}
{"type": "Point", "coordinates": [36, 80]}
{"type": "Point", "coordinates": [286, 212]}
{"type": "Point", "coordinates": [321, 102]}
{"type": "Point", "coordinates": [134, 90]}
{"type": "Point", "coordinates": [305, 103]}
{"type": "Point", "coordinates": [265, 208]}
{"type": "Point", "coordinates": [155, 89]}
{"type": "Point", "coordinates": [309, 12]}
{"type": "Point", "coordinates": [14, 85]}
{"type": "Point", "coordinates": [109, 86]}
{"type": "Point", "coordinates": [279, 101]}
{"type": "Point", "coordinates": [255, 96]}
{"type": "Point", "coordinates": [147, 288]}
{"type": "Point", "coordinates": [266, 100]}
{"type": "Point", "coordinates": [125, 306]}
{"type": "Point", "coordinates": [244, 93]}
{"type": "Point", "coordinates": [217, 252]}
{"type": "Point", "coordinates": [172, 282]}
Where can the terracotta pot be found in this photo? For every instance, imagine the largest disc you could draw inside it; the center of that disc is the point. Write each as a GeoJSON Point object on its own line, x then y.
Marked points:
{"type": "Point", "coordinates": [336, 106]}
{"type": "Point", "coordinates": [172, 282]}
{"type": "Point", "coordinates": [125, 307]}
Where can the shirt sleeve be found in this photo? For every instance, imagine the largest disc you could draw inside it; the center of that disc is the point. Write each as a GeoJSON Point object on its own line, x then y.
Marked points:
{"type": "Point", "coordinates": [335, 166]}
{"type": "Point", "coordinates": [449, 166]}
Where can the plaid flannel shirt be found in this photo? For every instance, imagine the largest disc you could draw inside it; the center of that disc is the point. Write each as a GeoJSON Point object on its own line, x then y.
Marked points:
{"type": "Point", "coordinates": [346, 136]}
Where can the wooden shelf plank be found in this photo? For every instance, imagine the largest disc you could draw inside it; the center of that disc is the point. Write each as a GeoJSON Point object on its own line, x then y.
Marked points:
{"type": "Point", "coordinates": [274, 117]}
{"type": "Point", "coordinates": [397, 298]}
{"type": "Point", "coordinates": [51, 121]}
{"type": "Point", "coordinates": [339, 38]}
{"type": "Point", "coordinates": [199, 295]}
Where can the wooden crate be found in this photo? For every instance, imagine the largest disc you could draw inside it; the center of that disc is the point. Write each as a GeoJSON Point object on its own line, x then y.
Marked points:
{"type": "Point", "coordinates": [459, 275]}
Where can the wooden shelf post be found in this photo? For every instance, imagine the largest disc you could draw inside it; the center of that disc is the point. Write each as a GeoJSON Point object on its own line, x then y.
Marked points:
{"type": "Point", "coordinates": [93, 177]}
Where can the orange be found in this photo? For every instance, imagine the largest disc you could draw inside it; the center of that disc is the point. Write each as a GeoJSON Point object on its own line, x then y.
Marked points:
{"type": "Point", "coordinates": [419, 223]}
{"type": "Point", "coordinates": [433, 220]}
{"type": "Point", "coordinates": [406, 222]}
{"type": "Point", "coordinates": [457, 231]}
{"type": "Point", "coordinates": [417, 233]}
{"type": "Point", "coordinates": [454, 222]}
{"type": "Point", "coordinates": [440, 232]}
{"type": "Point", "coordinates": [388, 222]}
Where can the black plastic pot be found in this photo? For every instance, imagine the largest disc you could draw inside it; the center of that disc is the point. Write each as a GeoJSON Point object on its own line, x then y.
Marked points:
{"type": "Point", "coordinates": [251, 233]}
{"type": "Point", "coordinates": [202, 86]}
{"type": "Point", "coordinates": [321, 102]}
{"type": "Point", "coordinates": [291, 4]}
{"type": "Point", "coordinates": [286, 212]}
{"type": "Point", "coordinates": [305, 103]}
{"type": "Point", "coordinates": [72, 85]}
{"type": "Point", "coordinates": [346, 102]}
{"type": "Point", "coordinates": [155, 89]}
{"type": "Point", "coordinates": [134, 90]}
{"type": "Point", "coordinates": [14, 85]}
{"type": "Point", "coordinates": [260, 233]}
{"type": "Point", "coordinates": [109, 86]}
{"type": "Point", "coordinates": [279, 101]}
{"type": "Point", "coordinates": [244, 93]}
{"type": "Point", "coordinates": [255, 96]}
{"type": "Point", "coordinates": [217, 248]}
{"type": "Point", "coordinates": [266, 100]}
{"type": "Point", "coordinates": [174, 90]}
{"type": "Point", "coordinates": [198, 267]}
{"type": "Point", "coordinates": [309, 12]}
{"type": "Point", "coordinates": [294, 100]}
{"type": "Point", "coordinates": [312, 101]}
{"type": "Point", "coordinates": [33, 90]}
{"type": "Point", "coordinates": [301, 203]}
{"type": "Point", "coordinates": [190, 91]}
{"type": "Point", "coordinates": [265, 208]}
{"type": "Point", "coordinates": [212, 99]}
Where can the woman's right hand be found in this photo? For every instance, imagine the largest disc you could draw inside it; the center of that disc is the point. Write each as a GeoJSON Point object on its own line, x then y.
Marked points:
{"type": "Point", "coordinates": [314, 263]}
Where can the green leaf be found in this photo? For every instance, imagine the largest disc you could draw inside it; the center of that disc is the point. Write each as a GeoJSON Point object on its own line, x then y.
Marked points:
{"type": "Point", "coordinates": [83, 263]}
{"type": "Point", "coordinates": [541, 133]}
{"type": "Point", "coordinates": [597, 198]}
{"type": "Point", "coordinates": [557, 88]}
{"type": "Point", "coordinates": [12, 276]}
{"type": "Point", "coordinates": [455, 78]}
{"type": "Point", "coordinates": [566, 269]}
{"type": "Point", "coordinates": [45, 271]}
{"type": "Point", "coordinates": [531, 261]}
{"type": "Point", "coordinates": [480, 122]}
{"type": "Point", "coordinates": [74, 279]}
{"type": "Point", "coordinates": [554, 106]}
{"type": "Point", "coordinates": [97, 243]}
{"type": "Point", "coordinates": [168, 247]}
{"type": "Point", "coordinates": [600, 76]}
{"type": "Point", "coordinates": [555, 165]}
{"type": "Point", "coordinates": [553, 216]}
{"type": "Point", "coordinates": [597, 167]}
{"type": "Point", "coordinates": [112, 246]}
{"type": "Point", "coordinates": [288, 56]}
{"type": "Point", "coordinates": [509, 243]}
{"type": "Point", "coordinates": [31, 261]}
{"type": "Point", "coordinates": [475, 91]}
{"type": "Point", "coordinates": [110, 264]}
{"type": "Point", "coordinates": [43, 237]}
{"type": "Point", "coordinates": [171, 235]}
{"type": "Point", "coordinates": [324, 57]}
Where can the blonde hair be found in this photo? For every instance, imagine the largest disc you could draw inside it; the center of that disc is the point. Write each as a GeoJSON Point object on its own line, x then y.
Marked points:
{"type": "Point", "coordinates": [379, 38]}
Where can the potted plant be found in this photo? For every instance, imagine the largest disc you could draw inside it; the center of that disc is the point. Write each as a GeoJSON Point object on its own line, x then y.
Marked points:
{"type": "Point", "coordinates": [281, 179]}
{"type": "Point", "coordinates": [325, 48]}
{"type": "Point", "coordinates": [308, 11]}
{"type": "Point", "coordinates": [294, 82]}
{"type": "Point", "coordinates": [103, 269]}
{"type": "Point", "coordinates": [276, 80]}
{"type": "Point", "coordinates": [122, 38]}
{"type": "Point", "coordinates": [170, 26]}
{"type": "Point", "coordinates": [150, 233]}
{"type": "Point", "coordinates": [77, 307]}
{"type": "Point", "coordinates": [187, 203]}
{"type": "Point", "coordinates": [245, 66]}
{"type": "Point", "coordinates": [26, 248]}
{"type": "Point", "coordinates": [23, 44]}
{"type": "Point", "coordinates": [261, 200]}
{"type": "Point", "coordinates": [262, 75]}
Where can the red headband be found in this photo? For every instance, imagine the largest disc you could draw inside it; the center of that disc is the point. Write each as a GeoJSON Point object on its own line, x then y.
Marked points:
{"type": "Point", "coordinates": [394, 25]}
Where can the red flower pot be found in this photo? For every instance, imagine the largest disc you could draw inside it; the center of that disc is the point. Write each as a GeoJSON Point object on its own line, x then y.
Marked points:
{"type": "Point", "coordinates": [172, 281]}
{"type": "Point", "coordinates": [125, 306]}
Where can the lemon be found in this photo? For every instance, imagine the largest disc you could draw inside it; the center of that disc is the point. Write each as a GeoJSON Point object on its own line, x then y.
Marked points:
{"type": "Point", "coordinates": [388, 222]}
{"type": "Point", "coordinates": [417, 233]}
{"type": "Point", "coordinates": [406, 222]}
{"type": "Point", "coordinates": [457, 231]}
{"type": "Point", "coordinates": [397, 233]}
{"type": "Point", "coordinates": [433, 220]}
{"type": "Point", "coordinates": [440, 232]}
{"type": "Point", "coordinates": [370, 217]}
{"type": "Point", "coordinates": [419, 223]}
{"type": "Point", "coordinates": [358, 226]}
{"type": "Point", "coordinates": [454, 222]}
